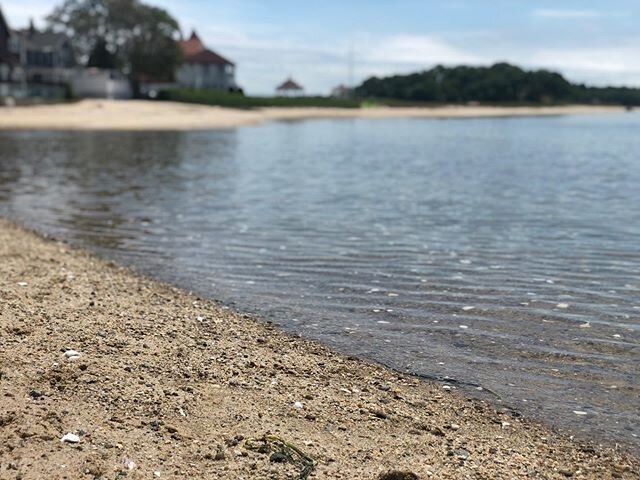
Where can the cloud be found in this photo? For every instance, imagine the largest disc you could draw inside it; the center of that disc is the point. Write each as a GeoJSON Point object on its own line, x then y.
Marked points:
{"type": "Point", "coordinates": [566, 14]}
{"type": "Point", "coordinates": [617, 64]}
{"type": "Point", "coordinates": [416, 50]}
{"type": "Point", "coordinates": [264, 61]}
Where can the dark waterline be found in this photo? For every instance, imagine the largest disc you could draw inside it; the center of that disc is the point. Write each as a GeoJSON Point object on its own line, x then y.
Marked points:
{"type": "Point", "coordinates": [497, 252]}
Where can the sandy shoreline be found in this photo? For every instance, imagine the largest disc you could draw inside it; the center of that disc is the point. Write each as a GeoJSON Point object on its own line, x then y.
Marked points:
{"type": "Point", "coordinates": [169, 385]}
{"type": "Point", "coordinates": [144, 115]}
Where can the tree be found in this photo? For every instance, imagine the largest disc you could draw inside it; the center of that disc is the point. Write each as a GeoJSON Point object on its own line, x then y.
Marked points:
{"type": "Point", "coordinates": [499, 83]}
{"type": "Point", "coordinates": [101, 57]}
{"type": "Point", "coordinates": [140, 39]}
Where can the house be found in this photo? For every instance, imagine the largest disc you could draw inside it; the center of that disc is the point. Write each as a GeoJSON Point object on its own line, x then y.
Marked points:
{"type": "Point", "coordinates": [342, 91]}
{"type": "Point", "coordinates": [289, 88]}
{"type": "Point", "coordinates": [5, 34]}
{"type": "Point", "coordinates": [204, 68]}
{"type": "Point", "coordinates": [47, 57]}
{"type": "Point", "coordinates": [11, 73]}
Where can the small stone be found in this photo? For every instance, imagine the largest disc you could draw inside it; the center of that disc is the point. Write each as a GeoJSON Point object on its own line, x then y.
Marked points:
{"type": "Point", "coordinates": [563, 306]}
{"type": "Point", "coordinates": [70, 438]}
{"type": "Point", "coordinates": [156, 474]}
{"type": "Point", "coordinates": [567, 472]}
{"type": "Point", "coordinates": [396, 475]}
{"type": "Point", "coordinates": [277, 457]}
{"type": "Point", "coordinates": [619, 467]}
{"type": "Point", "coordinates": [580, 413]}
{"type": "Point", "coordinates": [460, 453]}
{"type": "Point", "coordinates": [298, 405]}
{"type": "Point", "coordinates": [219, 456]}
{"type": "Point", "coordinates": [36, 394]}
{"type": "Point", "coordinates": [454, 426]}
{"type": "Point", "coordinates": [380, 414]}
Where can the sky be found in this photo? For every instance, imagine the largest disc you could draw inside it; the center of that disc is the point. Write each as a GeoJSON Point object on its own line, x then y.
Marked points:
{"type": "Point", "coordinates": [592, 41]}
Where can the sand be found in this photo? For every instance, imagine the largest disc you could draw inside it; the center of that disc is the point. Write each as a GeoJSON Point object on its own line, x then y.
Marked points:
{"type": "Point", "coordinates": [146, 115]}
{"type": "Point", "coordinates": [169, 385]}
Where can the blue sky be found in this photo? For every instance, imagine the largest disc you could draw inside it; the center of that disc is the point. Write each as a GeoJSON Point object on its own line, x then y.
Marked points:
{"type": "Point", "coordinates": [596, 42]}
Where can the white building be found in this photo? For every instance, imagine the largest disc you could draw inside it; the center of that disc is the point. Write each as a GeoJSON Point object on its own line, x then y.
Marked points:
{"type": "Point", "coordinates": [100, 83]}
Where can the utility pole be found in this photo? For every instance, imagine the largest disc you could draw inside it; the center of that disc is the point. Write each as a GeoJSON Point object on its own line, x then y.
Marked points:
{"type": "Point", "coordinates": [351, 66]}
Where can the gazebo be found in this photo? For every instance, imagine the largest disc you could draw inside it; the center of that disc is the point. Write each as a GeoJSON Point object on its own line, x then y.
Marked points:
{"type": "Point", "coordinates": [289, 88]}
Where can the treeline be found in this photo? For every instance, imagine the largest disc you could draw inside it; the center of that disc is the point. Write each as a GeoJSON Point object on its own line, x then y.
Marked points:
{"type": "Point", "coordinates": [501, 83]}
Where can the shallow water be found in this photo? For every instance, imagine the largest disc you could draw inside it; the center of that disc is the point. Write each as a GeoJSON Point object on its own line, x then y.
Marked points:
{"type": "Point", "coordinates": [501, 253]}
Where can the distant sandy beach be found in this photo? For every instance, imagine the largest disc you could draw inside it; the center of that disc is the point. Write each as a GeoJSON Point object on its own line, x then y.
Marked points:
{"type": "Point", "coordinates": [147, 115]}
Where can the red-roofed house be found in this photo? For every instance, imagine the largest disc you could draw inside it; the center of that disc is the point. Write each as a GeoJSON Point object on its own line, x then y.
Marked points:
{"type": "Point", "coordinates": [204, 68]}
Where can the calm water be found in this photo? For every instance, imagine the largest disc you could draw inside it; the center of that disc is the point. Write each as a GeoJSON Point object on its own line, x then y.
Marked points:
{"type": "Point", "coordinates": [502, 253]}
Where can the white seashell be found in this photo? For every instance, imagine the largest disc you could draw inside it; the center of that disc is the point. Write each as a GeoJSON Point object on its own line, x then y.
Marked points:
{"type": "Point", "coordinates": [70, 438]}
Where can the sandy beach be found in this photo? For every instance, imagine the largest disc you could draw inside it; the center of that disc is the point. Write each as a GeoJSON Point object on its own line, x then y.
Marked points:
{"type": "Point", "coordinates": [153, 382]}
{"type": "Point", "coordinates": [146, 115]}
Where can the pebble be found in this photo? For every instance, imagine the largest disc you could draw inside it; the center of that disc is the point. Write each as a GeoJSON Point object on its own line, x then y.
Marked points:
{"type": "Point", "coordinates": [460, 453]}
{"type": "Point", "coordinates": [455, 426]}
{"type": "Point", "coordinates": [156, 474]}
{"type": "Point", "coordinates": [563, 305]}
{"type": "Point", "coordinates": [72, 355]}
{"type": "Point", "coordinates": [580, 412]}
{"type": "Point", "coordinates": [466, 309]}
{"type": "Point", "coordinates": [277, 457]}
{"type": "Point", "coordinates": [22, 284]}
{"type": "Point", "coordinates": [70, 438]}
{"type": "Point", "coordinates": [298, 405]}
{"type": "Point", "coordinates": [35, 394]}
{"type": "Point", "coordinates": [129, 464]}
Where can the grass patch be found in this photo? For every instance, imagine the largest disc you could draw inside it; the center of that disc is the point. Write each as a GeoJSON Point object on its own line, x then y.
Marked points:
{"type": "Point", "coordinates": [237, 100]}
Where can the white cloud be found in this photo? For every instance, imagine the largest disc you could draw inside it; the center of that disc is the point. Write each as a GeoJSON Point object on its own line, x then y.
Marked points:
{"type": "Point", "coordinates": [565, 14]}
{"type": "Point", "coordinates": [416, 50]}
{"type": "Point", "coordinates": [617, 65]}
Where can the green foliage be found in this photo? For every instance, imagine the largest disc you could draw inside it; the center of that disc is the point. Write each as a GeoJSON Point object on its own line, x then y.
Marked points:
{"type": "Point", "coordinates": [101, 57]}
{"type": "Point", "coordinates": [140, 38]}
{"type": "Point", "coordinates": [499, 84]}
{"type": "Point", "coordinates": [238, 100]}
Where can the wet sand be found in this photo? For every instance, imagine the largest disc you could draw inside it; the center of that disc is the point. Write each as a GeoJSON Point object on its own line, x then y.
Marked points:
{"type": "Point", "coordinates": [146, 115]}
{"type": "Point", "coordinates": [168, 385]}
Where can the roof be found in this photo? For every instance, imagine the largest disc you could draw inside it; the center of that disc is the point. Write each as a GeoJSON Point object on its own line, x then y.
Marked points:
{"type": "Point", "coordinates": [290, 84]}
{"type": "Point", "coordinates": [194, 51]}
{"type": "Point", "coordinates": [3, 22]}
{"type": "Point", "coordinates": [5, 57]}
{"type": "Point", "coordinates": [42, 40]}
